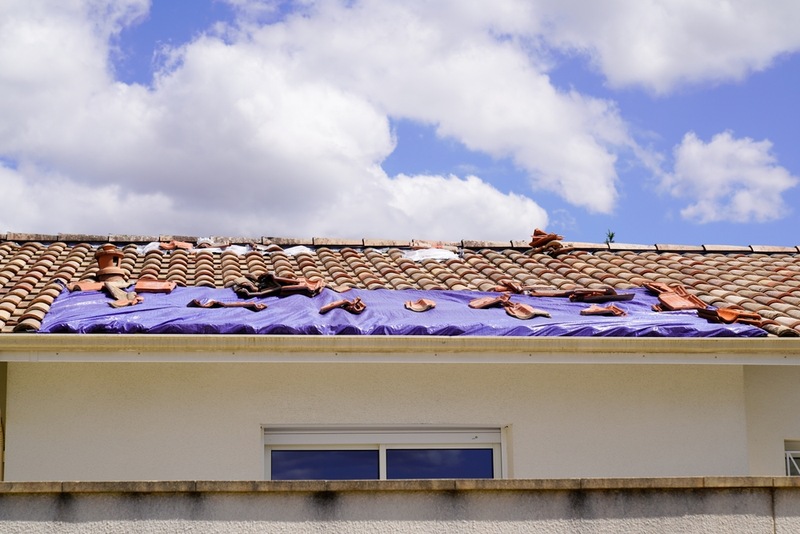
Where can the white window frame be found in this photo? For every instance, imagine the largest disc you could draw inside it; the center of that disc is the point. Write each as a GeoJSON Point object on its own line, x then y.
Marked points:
{"type": "Point", "coordinates": [792, 463]}
{"type": "Point", "coordinates": [381, 438]}
{"type": "Point", "coordinates": [791, 450]}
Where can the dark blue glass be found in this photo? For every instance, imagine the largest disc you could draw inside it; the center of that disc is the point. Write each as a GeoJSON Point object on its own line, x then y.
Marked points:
{"type": "Point", "coordinates": [439, 463]}
{"type": "Point", "coordinates": [324, 465]}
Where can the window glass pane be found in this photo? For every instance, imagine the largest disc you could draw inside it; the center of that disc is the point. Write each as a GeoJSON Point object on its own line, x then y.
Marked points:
{"type": "Point", "coordinates": [324, 465]}
{"type": "Point", "coordinates": [792, 463]}
{"type": "Point", "coordinates": [439, 463]}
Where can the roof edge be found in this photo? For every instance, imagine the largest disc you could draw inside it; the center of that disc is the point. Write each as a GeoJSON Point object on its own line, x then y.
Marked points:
{"type": "Point", "coordinates": [21, 237]}
{"type": "Point", "coordinates": [397, 349]}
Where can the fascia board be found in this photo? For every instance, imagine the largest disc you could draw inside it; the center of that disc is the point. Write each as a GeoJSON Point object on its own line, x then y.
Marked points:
{"type": "Point", "coordinates": [398, 349]}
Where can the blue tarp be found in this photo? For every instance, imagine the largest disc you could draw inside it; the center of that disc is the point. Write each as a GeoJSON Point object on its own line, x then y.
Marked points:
{"type": "Point", "coordinates": [89, 312]}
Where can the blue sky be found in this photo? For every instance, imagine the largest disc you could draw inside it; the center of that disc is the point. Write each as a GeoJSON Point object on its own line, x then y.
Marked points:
{"type": "Point", "coordinates": [662, 122]}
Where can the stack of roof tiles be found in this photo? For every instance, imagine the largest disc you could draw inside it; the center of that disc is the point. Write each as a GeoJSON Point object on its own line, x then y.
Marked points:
{"type": "Point", "coordinates": [34, 269]}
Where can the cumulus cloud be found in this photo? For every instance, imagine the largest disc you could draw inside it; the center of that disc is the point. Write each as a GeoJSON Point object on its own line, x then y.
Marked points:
{"type": "Point", "coordinates": [445, 66]}
{"type": "Point", "coordinates": [281, 127]}
{"type": "Point", "coordinates": [423, 207]}
{"type": "Point", "coordinates": [226, 141]}
{"type": "Point", "coordinates": [663, 44]}
{"type": "Point", "coordinates": [729, 179]}
{"type": "Point", "coordinates": [279, 124]}
{"type": "Point", "coordinates": [480, 208]}
{"type": "Point", "coordinates": [106, 209]}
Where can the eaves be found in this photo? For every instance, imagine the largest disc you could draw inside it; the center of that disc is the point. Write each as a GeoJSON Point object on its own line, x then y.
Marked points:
{"type": "Point", "coordinates": [397, 349]}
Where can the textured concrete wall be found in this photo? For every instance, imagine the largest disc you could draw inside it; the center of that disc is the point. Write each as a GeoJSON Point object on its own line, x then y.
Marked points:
{"type": "Point", "coordinates": [202, 421]}
{"type": "Point", "coordinates": [554, 508]}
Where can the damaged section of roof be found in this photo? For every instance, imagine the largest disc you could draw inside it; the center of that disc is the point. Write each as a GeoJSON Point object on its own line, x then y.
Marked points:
{"type": "Point", "coordinates": [35, 268]}
{"type": "Point", "coordinates": [379, 312]}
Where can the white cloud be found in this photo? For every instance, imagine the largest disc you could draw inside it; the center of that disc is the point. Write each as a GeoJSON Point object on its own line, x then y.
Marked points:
{"type": "Point", "coordinates": [729, 179]}
{"type": "Point", "coordinates": [281, 128]}
{"type": "Point", "coordinates": [423, 207]}
{"type": "Point", "coordinates": [449, 69]}
{"type": "Point", "coordinates": [480, 209]}
{"type": "Point", "coordinates": [36, 201]}
{"type": "Point", "coordinates": [663, 44]}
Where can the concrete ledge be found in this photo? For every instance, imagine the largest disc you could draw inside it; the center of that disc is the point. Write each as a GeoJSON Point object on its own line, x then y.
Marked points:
{"type": "Point", "coordinates": [315, 486]}
{"type": "Point", "coordinates": [643, 483]}
{"type": "Point", "coordinates": [544, 484]}
{"type": "Point", "coordinates": [31, 487]}
{"type": "Point", "coordinates": [786, 482]}
{"type": "Point", "coordinates": [144, 486]}
{"type": "Point", "coordinates": [712, 505]}
{"type": "Point", "coordinates": [740, 482]}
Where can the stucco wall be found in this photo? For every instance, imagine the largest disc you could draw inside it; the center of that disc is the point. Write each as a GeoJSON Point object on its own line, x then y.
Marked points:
{"type": "Point", "coordinates": [177, 421]}
{"type": "Point", "coordinates": [557, 506]}
{"type": "Point", "coordinates": [773, 398]}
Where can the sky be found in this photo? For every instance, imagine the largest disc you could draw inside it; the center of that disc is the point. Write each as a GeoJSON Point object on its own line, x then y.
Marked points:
{"type": "Point", "coordinates": [660, 121]}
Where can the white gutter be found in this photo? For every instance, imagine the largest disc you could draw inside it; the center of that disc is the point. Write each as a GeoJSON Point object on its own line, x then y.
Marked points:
{"type": "Point", "coordinates": [396, 349]}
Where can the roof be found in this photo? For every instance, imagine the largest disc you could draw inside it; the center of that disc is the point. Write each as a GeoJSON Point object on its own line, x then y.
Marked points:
{"type": "Point", "coordinates": [34, 268]}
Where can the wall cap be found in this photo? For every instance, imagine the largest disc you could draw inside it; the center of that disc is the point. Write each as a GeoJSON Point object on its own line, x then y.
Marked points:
{"type": "Point", "coordinates": [306, 486]}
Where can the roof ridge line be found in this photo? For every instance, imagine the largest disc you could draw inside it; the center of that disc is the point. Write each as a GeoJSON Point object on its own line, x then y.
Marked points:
{"type": "Point", "coordinates": [399, 243]}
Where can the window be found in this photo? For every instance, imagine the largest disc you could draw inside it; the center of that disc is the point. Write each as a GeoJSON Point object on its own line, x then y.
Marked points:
{"type": "Point", "coordinates": [381, 453]}
{"type": "Point", "coordinates": [792, 452]}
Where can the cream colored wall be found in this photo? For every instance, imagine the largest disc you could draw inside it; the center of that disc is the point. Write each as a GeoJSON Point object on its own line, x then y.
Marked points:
{"type": "Point", "coordinates": [165, 421]}
{"type": "Point", "coordinates": [773, 415]}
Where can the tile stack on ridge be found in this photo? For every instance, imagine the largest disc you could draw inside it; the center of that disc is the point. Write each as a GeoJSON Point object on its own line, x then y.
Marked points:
{"type": "Point", "coordinates": [34, 268]}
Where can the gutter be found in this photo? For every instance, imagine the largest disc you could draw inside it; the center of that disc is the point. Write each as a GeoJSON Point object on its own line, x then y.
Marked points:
{"type": "Point", "coordinates": [397, 349]}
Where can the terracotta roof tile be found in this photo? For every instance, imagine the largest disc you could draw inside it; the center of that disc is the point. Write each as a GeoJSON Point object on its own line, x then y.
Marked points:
{"type": "Point", "coordinates": [726, 248]}
{"type": "Point", "coordinates": [763, 248]}
{"type": "Point", "coordinates": [327, 241]}
{"type": "Point", "coordinates": [629, 247]}
{"type": "Point", "coordinates": [31, 237]}
{"type": "Point", "coordinates": [580, 246]}
{"type": "Point", "coordinates": [486, 244]}
{"type": "Point", "coordinates": [766, 280]}
{"type": "Point", "coordinates": [130, 238]}
{"type": "Point", "coordinates": [385, 243]}
{"type": "Point", "coordinates": [287, 241]}
{"type": "Point", "coordinates": [678, 248]}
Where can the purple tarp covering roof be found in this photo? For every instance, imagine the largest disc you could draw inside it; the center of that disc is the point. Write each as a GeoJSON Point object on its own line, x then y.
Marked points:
{"type": "Point", "coordinates": [385, 314]}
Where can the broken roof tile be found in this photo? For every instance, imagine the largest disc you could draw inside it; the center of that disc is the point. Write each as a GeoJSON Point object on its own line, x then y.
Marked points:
{"type": "Point", "coordinates": [761, 279]}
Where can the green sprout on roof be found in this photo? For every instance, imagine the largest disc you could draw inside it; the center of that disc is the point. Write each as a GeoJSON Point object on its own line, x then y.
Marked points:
{"type": "Point", "coordinates": [609, 237]}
